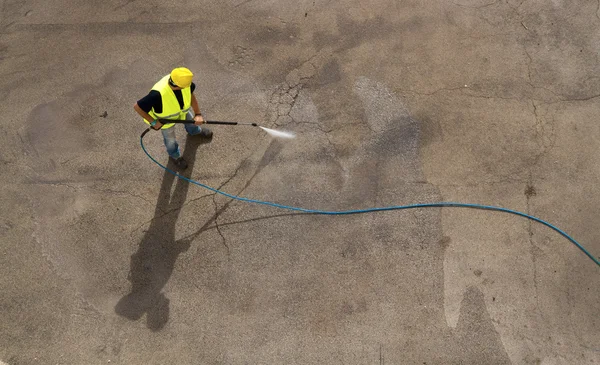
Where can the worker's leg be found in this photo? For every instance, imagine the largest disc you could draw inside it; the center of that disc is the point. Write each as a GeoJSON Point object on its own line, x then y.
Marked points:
{"type": "Point", "coordinates": [194, 130]}
{"type": "Point", "coordinates": [171, 142]}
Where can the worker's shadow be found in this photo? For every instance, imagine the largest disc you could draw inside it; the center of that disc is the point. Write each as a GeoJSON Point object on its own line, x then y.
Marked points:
{"type": "Point", "coordinates": [152, 264]}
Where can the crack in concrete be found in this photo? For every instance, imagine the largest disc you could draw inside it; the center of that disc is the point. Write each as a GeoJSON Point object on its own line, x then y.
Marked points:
{"type": "Point", "coordinates": [546, 140]}
{"type": "Point", "coordinates": [521, 3]}
{"type": "Point", "coordinates": [250, 220]}
{"type": "Point", "coordinates": [243, 3]}
{"type": "Point", "coordinates": [538, 128]}
{"type": "Point", "coordinates": [265, 160]}
{"type": "Point", "coordinates": [284, 97]}
{"type": "Point", "coordinates": [55, 183]}
{"type": "Point", "coordinates": [461, 89]}
{"type": "Point", "coordinates": [216, 220]}
{"type": "Point", "coordinates": [215, 217]}
{"type": "Point", "coordinates": [428, 93]}
{"type": "Point", "coordinates": [318, 125]}
{"type": "Point", "coordinates": [476, 7]}
{"type": "Point", "coordinates": [478, 184]}
{"type": "Point", "coordinates": [529, 67]}
{"type": "Point", "coordinates": [345, 171]}
{"type": "Point", "coordinates": [559, 98]}
{"type": "Point", "coordinates": [218, 210]}
{"type": "Point", "coordinates": [465, 90]}
{"type": "Point", "coordinates": [530, 192]}
{"type": "Point", "coordinates": [570, 100]}
{"type": "Point", "coordinates": [127, 2]}
{"type": "Point", "coordinates": [27, 145]}
{"type": "Point", "coordinates": [515, 10]}
{"type": "Point", "coordinates": [187, 203]}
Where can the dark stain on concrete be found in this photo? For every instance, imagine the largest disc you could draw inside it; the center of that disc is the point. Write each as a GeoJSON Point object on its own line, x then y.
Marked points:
{"type": "Point", "coordinates": [383, 233]}
{"type": "Point", "coordinates": [431, 129]}
{"type": "Point", "coordinates": [400, 139]}
{"type": "Point", "coordinates": [479, 342]}
{"type": "Point", "coordinates": [445, 242]}
{"type": "Point", "coordinates": [353, 33]}
{"type": "Point", "coordinates": [54, 131]}
{"type": "Point", "coordinates": [322, 39]}
{"type": "Point", "coordinates": [329, 74]}
{"type": "Point", "coordinates": [530, 191]}
{"type": "Point", "coordinates": [350, 250]}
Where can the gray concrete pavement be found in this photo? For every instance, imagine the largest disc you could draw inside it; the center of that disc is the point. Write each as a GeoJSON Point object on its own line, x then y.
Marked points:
{"type": "Point", "coordinates": [105, 258]}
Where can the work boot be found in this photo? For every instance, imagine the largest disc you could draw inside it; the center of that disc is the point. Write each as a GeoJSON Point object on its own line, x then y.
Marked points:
{"type": "Point", "coordinates": [205, 132]}
{"type": "Point", "coordinates": [180, 162]}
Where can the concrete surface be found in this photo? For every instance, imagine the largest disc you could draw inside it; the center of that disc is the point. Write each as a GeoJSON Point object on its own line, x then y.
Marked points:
{"type": "Point", "coordinates": [105, 258]}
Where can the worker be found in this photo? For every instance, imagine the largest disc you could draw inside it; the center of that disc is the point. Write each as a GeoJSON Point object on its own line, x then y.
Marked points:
{"type": "Point", "coordinates": [173, 98]}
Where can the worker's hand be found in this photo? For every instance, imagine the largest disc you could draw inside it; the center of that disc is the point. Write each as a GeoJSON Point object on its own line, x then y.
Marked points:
{"type": "Point", "coordinates": [157, 126]}
{"type": "Point", "coordinates": [198, 119]}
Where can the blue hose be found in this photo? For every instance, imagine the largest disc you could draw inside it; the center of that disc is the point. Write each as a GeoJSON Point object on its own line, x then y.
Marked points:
{"type": "Point", "coordinates": [369, 210]}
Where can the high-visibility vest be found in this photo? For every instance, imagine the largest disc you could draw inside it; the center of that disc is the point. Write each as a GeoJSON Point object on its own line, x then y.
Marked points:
{"type": "Point", "coordinates": [170, 105]}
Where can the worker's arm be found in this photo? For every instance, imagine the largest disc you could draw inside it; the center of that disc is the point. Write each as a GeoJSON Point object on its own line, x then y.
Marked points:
{"type": "Point", "coordinates": [197, 116]}
{"type": "Point", "coordinates": [146, 116]}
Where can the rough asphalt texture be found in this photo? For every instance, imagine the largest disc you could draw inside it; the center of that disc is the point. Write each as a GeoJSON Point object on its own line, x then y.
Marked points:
{"type": "Point", "coordinates": [104, 257]}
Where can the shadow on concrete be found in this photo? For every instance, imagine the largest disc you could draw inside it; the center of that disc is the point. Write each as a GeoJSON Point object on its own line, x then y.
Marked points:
{"type": "Point", "coordinates": [270, 154]}
{"type": "Point", "coordinates": [152, 264]}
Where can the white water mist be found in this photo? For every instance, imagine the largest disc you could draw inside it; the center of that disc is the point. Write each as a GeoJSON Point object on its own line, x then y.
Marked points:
{"type": "Point", "coordinates": [280, 134]}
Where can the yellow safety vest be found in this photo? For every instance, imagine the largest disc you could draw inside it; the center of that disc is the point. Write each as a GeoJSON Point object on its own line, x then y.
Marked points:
{"type": "Point", "coordinates": [170, 105]}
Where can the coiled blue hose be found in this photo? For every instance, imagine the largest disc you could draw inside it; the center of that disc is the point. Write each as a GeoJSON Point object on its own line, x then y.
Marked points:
{"type": "Point", "coordinates": [369, 210]}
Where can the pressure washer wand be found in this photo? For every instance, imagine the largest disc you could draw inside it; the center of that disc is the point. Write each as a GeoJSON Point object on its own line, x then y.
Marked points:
{"type": "Point", "coordinates": [166, 121]}
{"type": "Point", "coordinates": [272, 132]}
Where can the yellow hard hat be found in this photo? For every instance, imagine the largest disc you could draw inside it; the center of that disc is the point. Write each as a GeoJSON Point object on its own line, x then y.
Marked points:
{"type": "Point", "coordinates": [182, 77]}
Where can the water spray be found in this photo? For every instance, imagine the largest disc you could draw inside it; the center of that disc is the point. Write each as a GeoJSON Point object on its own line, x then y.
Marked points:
{"type": "Point", "coordinates": [271, 132]}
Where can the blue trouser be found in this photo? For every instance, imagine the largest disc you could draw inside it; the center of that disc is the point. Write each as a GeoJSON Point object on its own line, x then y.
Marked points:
{"type": "Point", "coordinates": [171, 142]}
